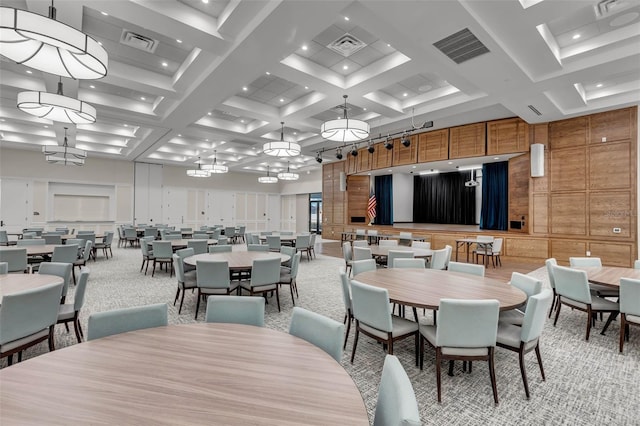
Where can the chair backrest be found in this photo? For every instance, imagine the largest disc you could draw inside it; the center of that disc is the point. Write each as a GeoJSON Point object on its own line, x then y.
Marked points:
{"type": "Point", "coordinates": [150, 232]}
{"type": "Point", "coordinates": [397, 403]}
{"type": "Point", "coordinates": [65, 254]}
{"type": "Point", "coordinates": [263, 233]}
{"type": "Point", "coordinates": [408, 263]}
{"type": "Point", "coordinates": [360, 243]}
{"type": "Point", "coordinates": [62, 270]}
{"type": "Point", "coordinates": [258, 247]}
{"type": "Point", "coordinates": [361, 253]}
{"type": "Point", "coordinates": [198, 246]}
{"type": "Point", "coordinates": [629, 296]}
{"type": "Point", "coordinates": [360, 233]}
{"type": "Point", "coordinates": [28, 235]}
{"type": "Point", "coordinates": [178, 266]}
{"type": "Point", "coordinates": [144, 244]}
{"type": "Point", "coordinates": [467, 268]}
{"type": "Point", "coordinates": [169, 237]}
{"type": "Point", "coordinates": [439, 259]}
{"type": "Point", "coordinates": [496, 247]}
{"type": "Point", "coordinates": [52, 239]}
{"type": "Point", "coordinates": [103, 324]}
{"type": "Point", "coordinates": [426, 245]}
{"type": "Point", "coordinates": [286, 233]}
{"type": "Point", "coordinates": [585, 262]}
{"type": "Point", "coordinates": [81, 289]}
{"type": "Point", "coordinates": [224, 248]}
{"type": "Point", "coordinates": [467, 323]}
{"type": "Point", "coordinates": [530, 285]}
{"type": "Point", "coordinates": [91, 237]}
{"type": "Point", "coordinates": [295, 264]}
{"type": "Point", "coordinates": [212, 274]}
{"type": "Point", "coordinates": [372, 232]}
{"type": "Point", "coordinates": [241, 230]}
{"type": "Point", "coordinates": [535, 315]}
{"type": "Point", "coordinates": [4, 239]}
{"type": "Point", "coordinates": [484, 239]}
{"type": "Point", "coordinates": [162, 249]}
{"type": "Point", "coordinates": [550, 263]}
{"type": "Point", "coordinates": [302, 241]}
{"type": "Point", "coordinates": [28, 312]}
{"type": "Point", "coordinates": [4, 268]}
{"type": "Point", "coordinates": [265, 271]}
{"type": "Point", "coordinates": [128, 233]}
{"type": "Point", "coordinates": [405, 235]}
{"type": "Point", "coordinates": [346, 289]}
{"type": "Point", "coordinates": [447, 259]}
{"type": "Point", "coordinates": [387, 243]}
{"type": "Point", "coordinates": [572, 283]}
{"type": "Point", "coordinates": [398, 254]}
{"type": "Point", "coordinates": [359, 266]}
{"type": "Point", "coordinates": [255, 239]}
{"type": "Point", "coordinates": [200, 235]}
{"type": "Point", "coordinates": [347, 253]}
{"type": "Point", "coordinates": [247, 310]}
{"type": "Point", "coordinates": [185, 252]}
{"type": "Point", "coordinates": [371, 306]}
{"type": "Point", "coordinates": [186, 230]}
{"type": "Point", "coordinates": [223, 241]}
{"type": "Point", "coordinates": [636, 264]}
{"type": "Point", "coordinates": [289, 251]}
{"type": "Point", "coordinates": [216, 233]}
{"type": "Point", "coordinates": [31, 242]}
{"type": "Point", "coordinates": [16, 258]}
{"type": "Point", "coordinates": [229, 231]}
{"type": "Point", "coordinates": [312, 240]}
{"type": "Point", "coordinates": [78, 242]}
{"type": "Point", "coordinates": [108, 238]}
{"type": "Point", "coordinates": [325, 333]}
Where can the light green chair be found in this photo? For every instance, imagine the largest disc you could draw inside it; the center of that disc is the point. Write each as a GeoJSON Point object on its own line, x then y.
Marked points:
{"type": "Point", "coordinates": [265, 275]}
{"type": "Point", "coordinates": [530, 286]}
{"type": "Point", "coordinates": [70, 312]}
{"type": "Point", "coordinates": [594, 262]}
{"type": "Point", "coordinates": [409, 263]}
{"type": "Point", "coordinates": [466, 331]}
{"type": "Point", "coordinates": [16, 259]}
{"type": "Point", "coordinates": [288, 275]}
{"type": "Point", "coordinates": [439, 259]}
{"type": "Point", "coordinates": [198, 246]}
{"type": "Point", "coordinates": [62, 270]}
{"type": "Point", "coordinates": [467, 268]}
{"type": "Point", "coordinates": [346, 298]}
{"type": "Point", "coordinates": [319, 330]}
{"type": "Point", "coordinates": [258, 247]}
{"type": "Point", "coordinates": [31, 242]}
{"type": "Point", "coordinates": [397, 254]}
{"type": "Point", "coordinates": [629, 307]}
{"type": "Point", "coordinates": [360, 266]}
{"type": "Point", "coordinates": [52, 239]}
{"type": "Point", "coordinates": [212, 278]}
{"type": "Point", "coordinates": [103, 324]}
{"type": "Point", "coordinates": [361, 253]}
{"type": "Point", "coordinates": [289, 251]}
{"type": "Point", "coordinates": [4, 268]}
{"type": "Point", "coordinates": [186, 280]}
{"type": "Point", "coordinates": [162, 254]}
{"type": "Point", "coordinates": [549, 264]}
{"type": "Point", "coordinates": [147, 253]}
{"type": "Point", "coordinates": [236, 309]}
{"type": "Point", "coordinates": [225, 248]}
{"type": "Point", "coordinates": [525, 338]}
{"type": "Point", "coordinates": [273, 242]}
{"type": "Point", "coordinates": [397, 403]}
{"type": "Point", "coordinates": [347, 255]}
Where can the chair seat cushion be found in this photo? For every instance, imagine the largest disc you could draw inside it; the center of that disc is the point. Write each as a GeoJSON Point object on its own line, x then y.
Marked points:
{"type": "Point", "coordinates": [429, 333]}
{"type": "Point", "coordinates": [633, 318]}
{"type": "Point", "coordinates": [66, 312]}
{"type": "Point", "coordinates": [25, 340]}
{"type": "Point", "coordinates": [510, 335]}
{"type": "Point", "coordinates": [401, 327]}
{"type": "Point", "coordinates": [512, 316]}
{"type": "Point", "coordinates": [247, 286]}
{"type": "Point", "coordinates": [597, 304]}
{"type": "Point", "coordinates": [206, 290]}
{"type": "Point", "coordinates": [285, 277]}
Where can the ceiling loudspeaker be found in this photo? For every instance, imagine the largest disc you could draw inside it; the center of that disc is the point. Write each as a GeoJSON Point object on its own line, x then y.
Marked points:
{"type": "Point", "coordinates": [537, 160]}
{"type": "Point", "coordinates": [343, 182]}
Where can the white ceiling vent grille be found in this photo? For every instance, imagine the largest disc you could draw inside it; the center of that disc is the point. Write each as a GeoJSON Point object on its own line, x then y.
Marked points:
{"type": "Point", "coordinates": [534, 109]}
{"type": "Point", "coordinates": [346, 45]}
{"type": "Point", "coordinates": [461, 46]}
{"type": "Point", "coordinates": [138, 41]}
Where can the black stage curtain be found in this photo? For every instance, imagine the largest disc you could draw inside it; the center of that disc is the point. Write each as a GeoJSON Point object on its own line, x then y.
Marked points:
{"type": "Point", "coordinates": [443, 198]}
{"type": "Point", "coordinates": [384, 195]}
{"type": "Point", "coordinates": [495, 196]}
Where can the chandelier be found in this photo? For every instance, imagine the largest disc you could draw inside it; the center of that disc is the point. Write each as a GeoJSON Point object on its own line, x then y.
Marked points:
{"type": "Point", "coordinates": [268, 178]}
{"type": "Point", "coordinates": [199, 172]}
{"type": "Point", "coordinates": [345, 129]}
{"type": "Point", "coordinates": [56, 107]}
{"type": "Point", "coordinates": [42, 43]}
{"type": "Point", "coordinates": [288, 175]}
{"type": "Point", "coordinates": [281, 148]}
{"type": "Point", "coordinates": [215, 167]}
{"type": "Point", "coordinates": [65, 154]}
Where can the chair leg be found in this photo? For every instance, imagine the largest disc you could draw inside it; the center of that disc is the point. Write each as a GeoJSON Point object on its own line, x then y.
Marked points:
{"type": "Point", "coordinates": [492, 375]}
{"type": "Point", "coordinates": [181, 301]}
{"type": "Point", "coordinates": [198, 304]}
{"type": "Point", "coordinates": [553, 302]}
{"type": "Point", "coordinates": [623, 324]}
{"type": "Point", "coordinates": [589, 320]}
{"type": "Point", "coordinates": [76, 325]}
{"type": "Point", "coordinates": [438, 372]}
{"type": "Point", "coordinates": [355, 342]}
{"type": "Point", "coordinates": [142, 266]}
{"type": "Point", "coordinates": [558, 312]}
{"type": "Point", "coordinates": [540, 362]}
{"type": "Point", "coordinates": [278, 298]}
{"type": "Point", "coordinates": [348, 319]}
{"type": "Point", "coordinates": [154, 268]}
{"type": "Point", "coordinates": [523, 372]}
{"type": "Point", "coordinates": [52, 346]}
{"type": "Point", "coordinates": [176, 298]}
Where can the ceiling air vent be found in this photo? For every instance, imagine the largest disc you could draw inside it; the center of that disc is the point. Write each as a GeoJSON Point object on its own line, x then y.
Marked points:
{"type": "Point", "coordinates": [347, 45]}
{"type": "Point", "coordinates": [461, 46]}
{"type": "Point", "coordinates": [534, 109]}
{"type": "Point", "coordinates": [138, 41]}
{"type": "Point", "coordinates": [605, 8]}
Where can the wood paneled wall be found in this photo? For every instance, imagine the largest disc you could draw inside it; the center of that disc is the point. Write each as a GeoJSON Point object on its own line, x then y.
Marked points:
{"type": "Point", "coordinates": [334, 201]}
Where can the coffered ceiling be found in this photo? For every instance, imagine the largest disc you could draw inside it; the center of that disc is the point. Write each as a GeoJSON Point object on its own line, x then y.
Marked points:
{"type": "Point", "coordinates": [194, 78]}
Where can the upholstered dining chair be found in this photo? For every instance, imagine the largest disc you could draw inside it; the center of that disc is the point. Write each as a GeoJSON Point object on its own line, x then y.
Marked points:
{"type": "Point", "coordinates": [312, 245]}
{"type": "Point", "coordinates": [525, 338]}
{"type": "Point", "coordinates": [265, 274]}
{"type": "Point", "coordinates": [28, 318]}
{"type": "Point", "coordinates": [289, 275]}
{"type": "Point", "coordinates": [16, 259]}
{"type": "Point", "coordinates": [198, 246]}
{"type": "Point", "coordinates": [396, 403]}
{"type": "Point", "coordinates": [162, 253]}
{"type": "Point", "coordinates": [360, 243]}
{"type": "Point", "coordinates": [289, 251]}
{"type": "Point", "coordinates": [549, 264]}
{"type": "Point", "coordinates": [147, 253]}
{"type": "Point", "coordinates": [302, 245]}
{"type": "Point", "coordinates": [131, 236]}
{"type": "Point", "coordinates": [388, 243]}
{"type": "Point", "coordinates": [70, 312]}
{"type": "Point", "coordinates": [105, 245]}
{"type": "Point", "coordinates": [66, 254]}
{"type": "Point", "coordinates": [347, 255]}
{"type": "Point", "coordinates": [409, 263]}
{"type": "Point", "coordinates": [52, 239]}
{"type": "Point", "coordinates": [405, 238]}
{"type": "Point", "coordinates": [361, 253]}
{"type": "Point", "coordinates": [247, 310]}
{"type": "Point", "coordinates": [346, 298]}
{"type": "Point", "coordinates": [273, 242]}
{"type": "Point", "coordinates": [629, 307]}
{"type": "Point", "coordinates": [319, 330]}
{"type": "Point", "coordinates": [258, 247]}
{"type": "Point", "coordinates": [230, 233]}
{"type": "Point", "coordinates": [466, 331]}
{"type": "Point", "coordinates": [530, 286]}
{"type": "Point", "coordinates": [31, 242]}
{"type": "Point", "coordinates": [594, 262]}
{"type": "Point", "coordinates": [224, 248]}
{"type": "Point", "coordinates": [184, 253]}
{"type": "Point", "coordinates": [186, 280]}
{"type": "Point", "coordinates": [424, 245]}
{"type": "Point", "coordinates": [439, 259]}
{"type": "Point", "coordinates": [359, 266]}
{"type": "Point", "coordinates": [467, 268]}
{"type": "Point", "coordinates": [62, 270]}
{"type": "Point", "coordinates": [103, 324]}
{"type": "Point", "coordinates": [572, 287]}
{"type": "Point", "coordinates": [4, 239]}
{"type": "Point", "coordinates": [636, 264]}
{"type": "Point", "coordinates": [4, 268]}
{"type": "Point", "coordinates": [392, 255]}
{"type": "Point", "coordinates": [372, 312]}
{"type": "Point", "coordinates": [222, 240]}
{"type": "Point", "coordinates": [213, 278]}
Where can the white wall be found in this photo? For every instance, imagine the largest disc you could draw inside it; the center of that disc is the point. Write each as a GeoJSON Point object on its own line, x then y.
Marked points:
{"type": "Point", "coordinates": [402, 197]}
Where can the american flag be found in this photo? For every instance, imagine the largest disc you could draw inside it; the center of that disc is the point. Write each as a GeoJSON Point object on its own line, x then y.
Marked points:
{"type": "Point", "coordinates": [371, 208]}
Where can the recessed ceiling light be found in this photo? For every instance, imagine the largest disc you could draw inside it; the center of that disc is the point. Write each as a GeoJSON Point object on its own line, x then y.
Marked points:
{"type": "Point", "coordinates": [245, 88]}
{"type": "Point", "coordinates": [46, 127]}
{"type": "Point", "coordinates": [205, 1]}
{"type": "Point", "coordinates": [164, 64]}
{"type": "Point", "coordinates": [105, 13]}
{"type": "Point", "coordinates": [576, 36]}
{"type": "Point", "coordinates": [253, 147]}
{"type": "Point", "coordinates": [142, 98]}
{"type": "Point", "coordinates": [242, 121]}
{"type": "Point", "coordinates": [345, 67]}
{"type": "Point", "coordinates": [267, 73]}
{"type": "Point", "coordinates": [209, 113]}
{"type": "Point", "coordinates": [222, 142]}
{"type": "Point", "coordinates": [206, 140]}
{"type": "Point", "coordinates": [178, 41]}
{"type": "Point", "coordinates": [304, 47]}
{"type": "Point", "coordinates": [100, 43]}
{"type": "Point", "coordinates": [92, 86]}
{"type": "Point", "coordinates": [346, 18]}
{"type": "Point", "coordinates": [599, 85]}
{"type": "Point", "coordinates": [295, 133]}
{"type": "Point", "coordinates": [29, 72]}
{"type": "Point", "coordinates": [126, 125]}
{"type": "Point", "coordinates": [450, 162]}
{"type": "Point", "coordinates": [306, 87]}
{"type": "Point", "coordinates": [390, 170]}
{"type": "Point", "coordinates": [496, 158]}
{"type": "Point", "coordinates": [281, 99]}
{"type": "Point", "coordinates": [405, 94]}
{"type": "Point", "coordinates": [364, 109]}
{"type": "Point", "coordinates": [388, 45]}
{"type": "Point", "coordinates": [179, 135]}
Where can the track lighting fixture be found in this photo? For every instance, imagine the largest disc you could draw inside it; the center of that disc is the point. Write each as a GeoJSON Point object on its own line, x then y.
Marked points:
{"type": "Point", "coordinates": [405, 140]}
{"type": "Point", "coordinates": [354, 151]}
{"type": "Point", "coordinates": [388, 143]}
{"type": "Point", "coordinates": [371, 148]}
{"type": "Point", "coordinates": [339, 153]}
{"type": "Point", "coordinates": [319, 157]}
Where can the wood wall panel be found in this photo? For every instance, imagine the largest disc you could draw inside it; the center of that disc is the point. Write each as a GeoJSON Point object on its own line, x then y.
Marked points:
{"type": "Point", "coordinates": [364, 160]}
{"type": "Point", "coordinates": [613, 254]}
{"type": "Point", "coordinates": [614, 125]}
{"type": "Point", "coordinates": [433, 146]}
{"type": "Point", "coordinates": [568, 214]}
{"type": "Point", "coordinates": [539, 133]}
{"type": "Point", "coordinates": [610, 166]}
{"type": "Point", "coordinates": [526, 247]}
{"type": "Point", "coordinates": [568, 133]}
{"type": "Point", "coordinates": [519, 171]}
{"type": "Point", "coordinates": [352, 162]}
{"type": "Point", "coordinates": [468, 141]}
{"type": "Point", "coordinates": [382, 157]}
{"type": "Point", "coordinates": [403, 155]}
{"type": "Point", "coordinates": [507, 136]}
{"type": "Point", "coordinates": [562, 250]}
{"type": "Point", "coordinates": [358, 197]}
{"type": "Point", "coordinates": [568, 170]}
{"type": "Point", "coordinates": [608, 210]}
{"type": "Point", "coordinates": [540, 214]}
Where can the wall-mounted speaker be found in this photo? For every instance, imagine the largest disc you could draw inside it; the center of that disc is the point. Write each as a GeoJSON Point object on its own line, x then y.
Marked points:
{"type": "Point", "coordinates": [343, 182]}
{"type": "Point", "coordinates": [537, 160]}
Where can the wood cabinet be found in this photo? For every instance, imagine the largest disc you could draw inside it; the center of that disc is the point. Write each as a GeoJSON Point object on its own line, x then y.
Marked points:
{"type": "Point", "coordinates": [433, 146]}
{"type": "Point", "coordinates": [468, 141]}
{"type": "Point", "coordinates": [403, 155]}
{"type": "Point", "coordinates": [507, 136]}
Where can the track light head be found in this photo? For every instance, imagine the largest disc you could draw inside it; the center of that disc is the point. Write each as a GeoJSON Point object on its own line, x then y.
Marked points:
{"type": "Point", "coordinates": [339, 153]}
{"type": "Point", "coordinates": [405, 140]}
{"type": "Point", "coordinates": [319, 157]}
{"type": "Point", "coordinates": [354, 151]}
{"type": "Point", "coordinates": [388, 143]}
{"type": "Point", "coordinates": [371, 149]}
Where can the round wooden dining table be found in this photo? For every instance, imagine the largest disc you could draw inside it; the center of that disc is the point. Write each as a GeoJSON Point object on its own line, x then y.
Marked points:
{"type": "Point", "coordinates": [34, 250]}
{"type": "Point", "coordinates": [14, 283]}
{"type": "Point", "coordinates": [423, 288]}
{"type": "Point", "coordinates": [202, 373]}
{"type": "Point", "coordinates": [609, 275]}
{"type": "Point", "coordinates": [238, 260]}
{"type": "Point", "coordinates": [182, 243]}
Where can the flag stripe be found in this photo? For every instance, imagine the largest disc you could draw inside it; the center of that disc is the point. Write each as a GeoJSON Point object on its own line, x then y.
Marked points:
{"type": "Point", "coordinates": [371, 207]}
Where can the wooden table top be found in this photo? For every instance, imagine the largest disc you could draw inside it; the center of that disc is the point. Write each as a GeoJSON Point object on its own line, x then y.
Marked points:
{"type": "Point", "coordinates": [182, 243]}
{"type": "Point", "coordinates": [423, 288]}
{"type": "Point", "coordinates": [237, 259]}
{"type": "Point", "coordinates": [377, 250]}
{"type": "Point", "coordinates": [13, 283]}
{"type": "Point", "coordinates": [610, 275]}
{"type": "Point", "coordinates": [183, 374]}
{"type": "Point", "coordinates": [35, 250]}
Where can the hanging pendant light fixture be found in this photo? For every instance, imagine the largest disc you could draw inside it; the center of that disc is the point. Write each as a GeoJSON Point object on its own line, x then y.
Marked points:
{"type": "Point", "coordinates": [281, 148]}
{"type": "Point", "coordinates": [56, 107]}
{"type": "Point", "coordinates": [345, 129]}
{"type": "Point", "coordinates": [65, 154]}
{"type": "Point", "coordinates": [42, 43]}
{"type": "Point", "coordinates": [268, 178]}
{"type": "Point", "coordinates": [215, 167]}
{"type": "Point", "coordinates": [288, 175]}
{"type": "Point", "coordinates": [199, 172]}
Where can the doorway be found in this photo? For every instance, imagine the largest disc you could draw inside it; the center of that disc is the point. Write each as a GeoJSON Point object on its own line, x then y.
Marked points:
{"type": "Point", "coordinates": [315, 212]}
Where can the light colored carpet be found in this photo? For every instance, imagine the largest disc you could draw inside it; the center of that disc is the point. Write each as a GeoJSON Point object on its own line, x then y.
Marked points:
{"type": "Point", "coordinates": [587, 382]}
